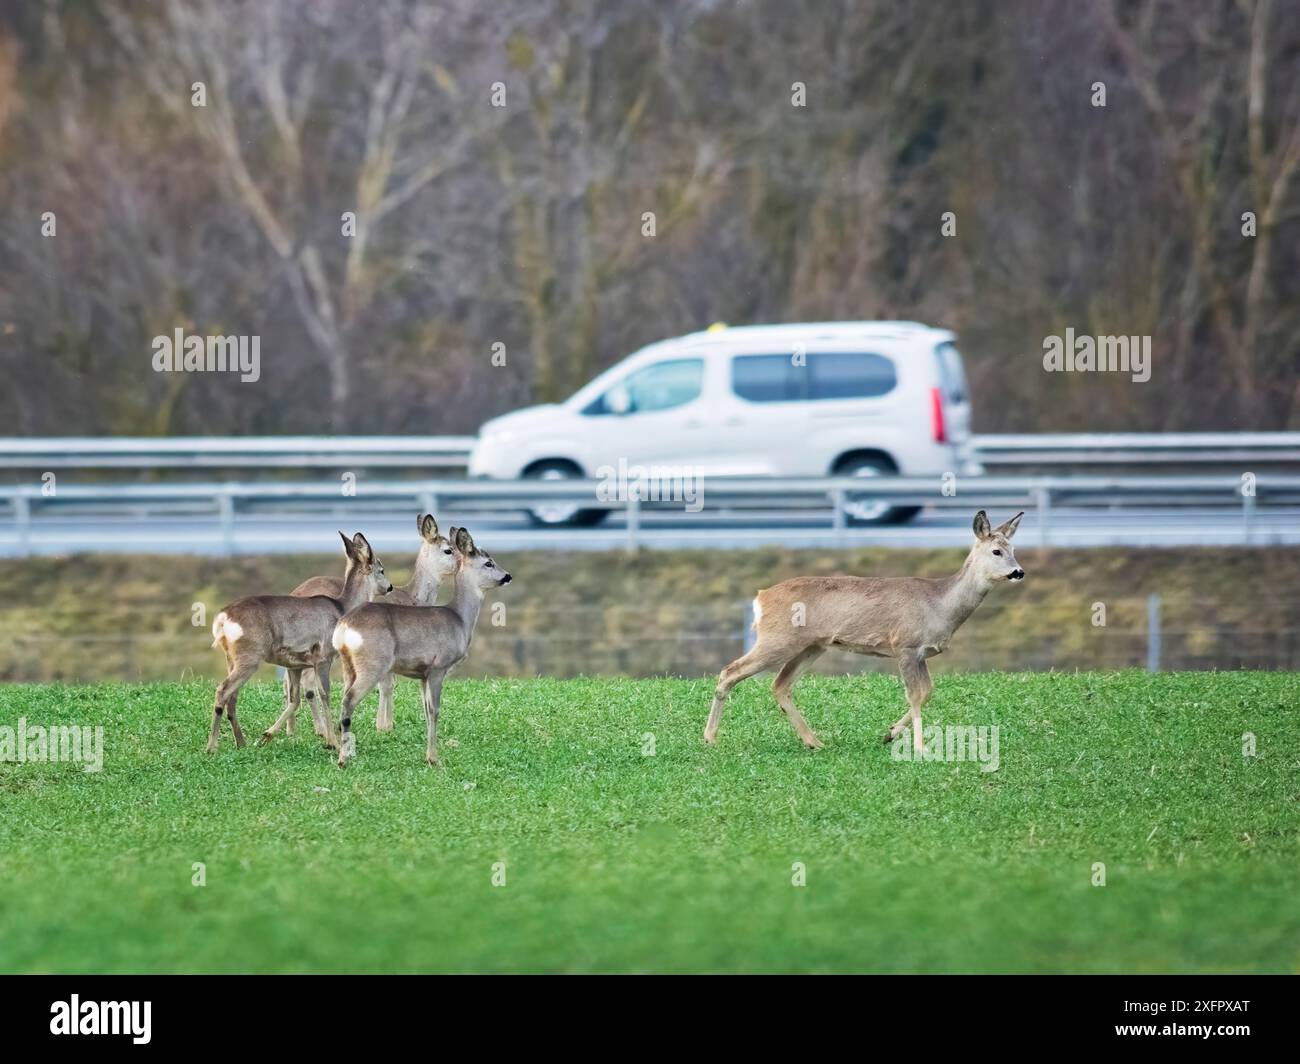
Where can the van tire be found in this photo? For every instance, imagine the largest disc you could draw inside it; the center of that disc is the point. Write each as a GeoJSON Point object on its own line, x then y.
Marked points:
{"type": "Point", "coordinates": [874, 465]}
{"type": "Point", "coordinates": [560, 469]}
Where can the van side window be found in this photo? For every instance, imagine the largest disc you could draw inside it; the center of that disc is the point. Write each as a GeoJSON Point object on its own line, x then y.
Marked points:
{"type": "Point", "coordinates": [776, 379]}
{"type": "Point", "coordinates": [659, 387]}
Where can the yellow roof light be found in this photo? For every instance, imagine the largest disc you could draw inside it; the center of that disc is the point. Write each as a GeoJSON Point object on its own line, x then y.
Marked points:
{"type": "Point", "coordinates": [717, 326]}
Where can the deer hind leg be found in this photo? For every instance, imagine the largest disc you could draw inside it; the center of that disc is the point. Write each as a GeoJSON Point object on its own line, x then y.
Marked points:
{"type": "Point", "coordinates": [239, 670]}
{"type": "Point", "coordinates": [917, 682]}
{"type": "Point", "coordinates": [359, 679]}
{"type": "Point", "coordinates": [292, 686]}
{"type": "Point", "coordinates": [783, 689]}
{"type": "Point", "coordinates": [756, 661]}
{"type": "Point", "coordinates": [384, 721]}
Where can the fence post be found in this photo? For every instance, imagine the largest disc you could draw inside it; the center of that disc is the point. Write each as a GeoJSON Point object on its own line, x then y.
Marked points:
{"type": "Point", "coordinates": [633, 519]}
{"type": "Point", "coordinates": [747, 636]}
{"type": "Point", "coordinates": [23, 524]}
{"type": "Point", "coordinates": [1153, 633]}
{"type": "Point", "coordinates": [1247, 516]}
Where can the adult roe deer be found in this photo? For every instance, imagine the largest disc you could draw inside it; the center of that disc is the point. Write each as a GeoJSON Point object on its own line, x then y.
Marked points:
{"type": "Point", "coordinates": [423, 642]}
{"type": "Point", "coordinates": [903, 617]}
{"type": "Point", "coordinates": [434, 562]}
{"type": "Point", "coordinates": [288, 631]}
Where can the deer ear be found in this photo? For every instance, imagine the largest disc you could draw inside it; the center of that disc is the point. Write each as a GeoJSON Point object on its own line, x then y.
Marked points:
{"type": "Point", "coordinates": [363, 551]}
{"type": "Point", "coordinates": [428, 527]}
{"type": "Point", "coordinates": [347, 545]}
{"type": "Point", "coordinates": [1008, 528]}
{"type": "Point", "coordinates": [463, 542]}
{"type": "Point", "coordinates": [981, 525]}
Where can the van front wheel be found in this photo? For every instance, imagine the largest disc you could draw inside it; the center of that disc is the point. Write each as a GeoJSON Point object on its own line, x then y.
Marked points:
{"type": "Point", "coordinates": [866, 509]}
{"type": "Point", "coordinates": [560, 515]}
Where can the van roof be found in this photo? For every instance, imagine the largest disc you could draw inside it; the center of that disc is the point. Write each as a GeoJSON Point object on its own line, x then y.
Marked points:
{"type": "Point", "coordinates": [821, 330]}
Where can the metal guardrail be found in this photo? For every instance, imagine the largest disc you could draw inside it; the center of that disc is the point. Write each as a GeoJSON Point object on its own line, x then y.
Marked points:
{"type": "Point", "coordinates": [1140, 448]}
{"type": "Point", "coordinates": [118, 452]}
{"type": "Point", "coordinates": [1039, 494]}
{"type": "Point", "coordinates": [452, 452]}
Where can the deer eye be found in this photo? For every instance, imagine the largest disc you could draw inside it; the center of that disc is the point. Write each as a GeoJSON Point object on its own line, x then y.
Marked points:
{"type": "Point", "coordinates": [447, 551]}
{"type": "Point", "coordinates": [997, 553]}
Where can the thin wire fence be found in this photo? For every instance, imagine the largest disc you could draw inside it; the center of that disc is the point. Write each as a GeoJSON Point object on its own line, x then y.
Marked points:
{"type": "Point", "coordinates": [692, 640]}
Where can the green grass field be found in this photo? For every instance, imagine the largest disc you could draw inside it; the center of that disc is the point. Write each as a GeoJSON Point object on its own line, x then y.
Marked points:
{"type": "Point", "coordinates": [680, 861]}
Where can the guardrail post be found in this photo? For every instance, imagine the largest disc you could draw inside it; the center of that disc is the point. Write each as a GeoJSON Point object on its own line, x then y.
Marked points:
{"type": "Point", "coordinates": [1043, 499]}
{"type": "Point", "coordinates": [839, 520]}
{"type": "Point", "coordinates": [633, 519]}
{"type": "Point", "coordinates": [1153, 633]}
{"type": "Point", "coordinates": [1247, 516]}
{"type": "Point", "coordinates": [226, 520]}
{"type": "Point", "coordinates": [23, 524]}
{"type": "Point", "coordinates": [747, 635]}
{"type": "Point", "coordinates": [429, 502]}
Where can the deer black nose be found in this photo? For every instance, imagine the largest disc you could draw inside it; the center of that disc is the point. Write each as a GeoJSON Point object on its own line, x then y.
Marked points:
{"type": "Point", "coordinates": [1017, 574]}
{"type": "Point", "coordinates": [506, 579]}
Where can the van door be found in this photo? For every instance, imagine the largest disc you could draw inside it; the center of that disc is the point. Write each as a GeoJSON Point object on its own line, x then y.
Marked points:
{"type": "Point", "coordinates": [791, 413]}
{"type": "Point", "coordinates": [654, 415]}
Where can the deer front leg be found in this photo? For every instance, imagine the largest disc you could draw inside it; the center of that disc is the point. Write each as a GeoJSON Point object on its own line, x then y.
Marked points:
{"type": "Point", "coordinates": [431, 689]}
{"type": "Point", "coordinates": [916, 680]}
{"type": "Point", "coordinates": [323, 686]}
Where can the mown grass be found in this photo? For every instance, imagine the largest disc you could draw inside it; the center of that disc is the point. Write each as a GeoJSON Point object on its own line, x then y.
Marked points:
{"type": "Point", "coordinates": [679, 861]}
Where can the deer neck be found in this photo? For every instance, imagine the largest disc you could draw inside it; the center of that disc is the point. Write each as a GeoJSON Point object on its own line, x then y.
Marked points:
{"type": "Point", "coordinates": [963, 594]}
{"type": "Point", "coordinates": [354, 589]}
{"type": "Point", "coordinates": [423, 585]}
{"type": "Point", "coordinates": [467, 601]}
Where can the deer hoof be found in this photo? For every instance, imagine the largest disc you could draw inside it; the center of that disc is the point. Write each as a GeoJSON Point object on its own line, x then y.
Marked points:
{"type": "Point", "coordinates": [266, 738]}
{"type": "Point", "coordinates": [812, 742]}
{"type": "Point", "coordinates": [889, 738]}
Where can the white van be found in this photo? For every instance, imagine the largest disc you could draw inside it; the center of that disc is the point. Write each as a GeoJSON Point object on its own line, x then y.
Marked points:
{"type": "Point", "coordinates": [859, 398]}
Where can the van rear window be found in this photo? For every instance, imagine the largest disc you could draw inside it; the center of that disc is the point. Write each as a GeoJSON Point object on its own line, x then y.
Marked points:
{"type": "Point", "coordinates": [823, 375]}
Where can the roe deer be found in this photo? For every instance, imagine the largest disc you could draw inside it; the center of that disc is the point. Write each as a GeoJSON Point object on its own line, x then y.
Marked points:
{"type": "Point", "coordinates": [288, 631]}
{"type": "Point", "coordinates": [434, 562]}
{"type": "Point", "coordinates": [423, 642]}
{"type": "Point", "coordinates": [907, 618]}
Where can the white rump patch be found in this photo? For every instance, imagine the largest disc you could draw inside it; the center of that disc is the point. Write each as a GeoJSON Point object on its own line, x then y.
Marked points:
{"type": "Point", "coordinates": [758, 611]}
{"type": "Point", "coordinates": [346, 637]}
{"type": "Point", "coordinates": [224, 628]}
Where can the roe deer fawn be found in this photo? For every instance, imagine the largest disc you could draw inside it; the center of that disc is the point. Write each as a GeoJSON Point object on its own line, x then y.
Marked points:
{"type": "Point", "coordinates": [434, 562]}
{"type": "Point", "coordinates": [423, 642]}
{"type": "Point", "coordinates": [907, 618]}
{"type": "Point", "coordinates": [288, 631]}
